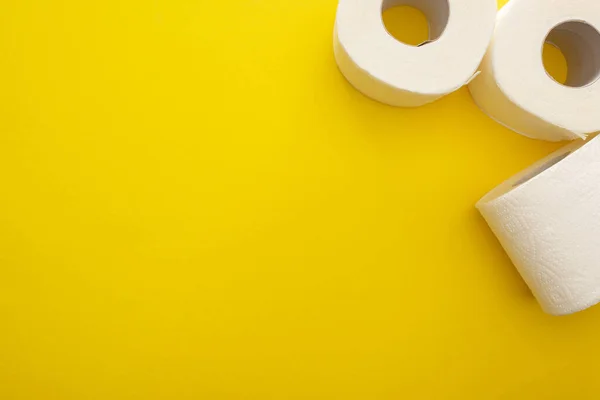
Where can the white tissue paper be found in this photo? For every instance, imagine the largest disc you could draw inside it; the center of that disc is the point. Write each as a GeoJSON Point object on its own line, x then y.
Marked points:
{"type": "Point", "coordinates": [514, 87]}
{"type": "Point", "coordinates": [547, 218]}
{"type": "Point", "coordinates": [398, 74]}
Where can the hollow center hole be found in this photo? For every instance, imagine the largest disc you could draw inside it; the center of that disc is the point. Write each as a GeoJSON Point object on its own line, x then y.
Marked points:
{"type": "Point", "coordinates": [555, 63]}
{"type": "Point", "coordinates": [571, 54]}
{"type": "Point", "coordinates": [415, 22]}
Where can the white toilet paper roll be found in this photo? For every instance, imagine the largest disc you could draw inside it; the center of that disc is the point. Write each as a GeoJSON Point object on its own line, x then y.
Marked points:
{"type": "Point", "coordinates": [514, 87]}
{"type": "Point", "coordinates": [399, 74]}
{"type": "Point", "coordinates": [547, 218]}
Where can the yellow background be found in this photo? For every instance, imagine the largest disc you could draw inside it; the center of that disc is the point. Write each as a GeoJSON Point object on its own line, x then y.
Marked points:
{"type": "Point", "coordinates": [194, 204]}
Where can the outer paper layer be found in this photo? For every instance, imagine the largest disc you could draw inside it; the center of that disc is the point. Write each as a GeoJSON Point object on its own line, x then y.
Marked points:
{"type": "Point", "coordinates": [399, 74]}
{"type": "Point", "coordinates": [547, 218]}
{"type": "Point", "coordinates": [514, 87]}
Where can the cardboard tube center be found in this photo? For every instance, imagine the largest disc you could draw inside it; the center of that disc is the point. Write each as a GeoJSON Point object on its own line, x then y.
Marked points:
{"type": "Point", "coordinates": [580, 44]}
{"type": "Point", "coordinates": [437, 13]}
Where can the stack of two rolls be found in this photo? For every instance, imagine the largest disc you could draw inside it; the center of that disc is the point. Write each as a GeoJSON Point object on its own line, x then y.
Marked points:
{"type": "Point", "coordinates": [547, 217]}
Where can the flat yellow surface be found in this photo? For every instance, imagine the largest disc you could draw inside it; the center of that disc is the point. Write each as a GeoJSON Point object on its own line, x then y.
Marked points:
{"type": "Point", "coordinates": [195, 204]}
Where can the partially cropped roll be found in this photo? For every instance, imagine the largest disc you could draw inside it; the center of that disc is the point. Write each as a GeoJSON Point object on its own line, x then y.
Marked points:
{"type": "Point", "coordinates": [547, 218]}
{"type": "Point", "coordinates": [399, 74]}
{"type": "Point", "coordinates": [514, 87]}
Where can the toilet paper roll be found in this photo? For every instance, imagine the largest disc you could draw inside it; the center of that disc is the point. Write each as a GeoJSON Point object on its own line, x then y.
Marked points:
{"type": "Point", "coordinates": [547, 218]}
{"type": "Point", "coordinates": [514, 87]}
{"type": "Point", "coordinates": [399, 74]}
